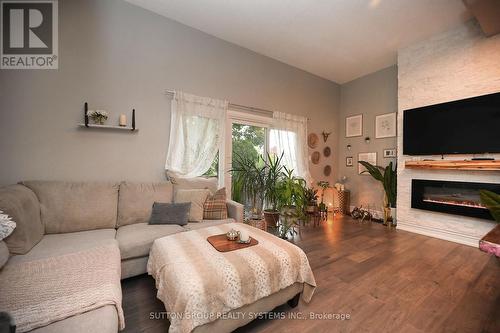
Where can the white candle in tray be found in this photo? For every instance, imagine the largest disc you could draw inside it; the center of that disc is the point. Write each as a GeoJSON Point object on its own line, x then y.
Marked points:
{"type": "Point", "coordinates": [244, 236]}
{"type": "Point", "coordinates": [123, 120]}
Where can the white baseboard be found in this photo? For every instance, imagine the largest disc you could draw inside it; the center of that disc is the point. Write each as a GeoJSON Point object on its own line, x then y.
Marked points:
{"type": "Point", "coordinates": [439, 233]}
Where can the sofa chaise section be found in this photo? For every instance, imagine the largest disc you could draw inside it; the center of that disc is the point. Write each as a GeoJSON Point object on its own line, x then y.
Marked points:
{"type": "Point", "coordinates": [50, 226]}
{"type": "Point", "coordinates": [58, 218]}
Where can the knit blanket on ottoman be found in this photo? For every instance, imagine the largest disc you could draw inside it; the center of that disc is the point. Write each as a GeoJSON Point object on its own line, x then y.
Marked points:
{"type": "Point", "coordinates": [40, 292]}
{"type": "Point", "coordinates": [198, 284]}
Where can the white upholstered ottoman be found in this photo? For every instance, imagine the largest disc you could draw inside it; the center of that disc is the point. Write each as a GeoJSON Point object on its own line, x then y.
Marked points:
{"type": "Point", "coordinates": [207, 290]}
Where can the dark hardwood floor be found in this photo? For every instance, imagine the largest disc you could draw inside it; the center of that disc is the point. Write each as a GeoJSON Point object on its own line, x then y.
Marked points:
{"type": "Point", "coordinates": [386, 280]}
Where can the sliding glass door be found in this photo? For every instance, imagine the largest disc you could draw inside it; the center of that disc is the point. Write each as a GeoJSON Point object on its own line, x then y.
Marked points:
{"type": "Point", "coordinates": [248, 144]}
{"type": "Point", "coordinates": [246, 139]}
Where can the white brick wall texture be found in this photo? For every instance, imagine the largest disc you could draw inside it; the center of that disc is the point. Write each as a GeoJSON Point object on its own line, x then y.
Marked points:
{"type": "Point", "coordinates": [458, 64]}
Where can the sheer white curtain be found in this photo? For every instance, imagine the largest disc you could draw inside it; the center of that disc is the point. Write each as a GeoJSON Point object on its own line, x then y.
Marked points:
{"type": "Point", "coordinates": [289, 136]}
{"type": "Point", "coordinates": [197, 131]}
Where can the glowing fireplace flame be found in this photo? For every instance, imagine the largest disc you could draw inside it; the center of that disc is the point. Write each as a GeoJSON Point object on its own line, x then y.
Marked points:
{"type": "Point", "coordinates": [467, 203]}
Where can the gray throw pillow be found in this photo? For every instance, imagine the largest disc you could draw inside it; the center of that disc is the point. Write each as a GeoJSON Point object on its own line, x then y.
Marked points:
{"type": "Point", "coordinates": [170, 213]}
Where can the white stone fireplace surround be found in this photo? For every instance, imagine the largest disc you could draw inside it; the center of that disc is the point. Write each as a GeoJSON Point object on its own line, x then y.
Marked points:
{"type": "Point", "coordinates": [455, 65]}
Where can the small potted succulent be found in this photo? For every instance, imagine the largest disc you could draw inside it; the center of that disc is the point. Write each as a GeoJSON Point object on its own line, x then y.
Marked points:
{"type": "Point", "coordinates": [98, 116]}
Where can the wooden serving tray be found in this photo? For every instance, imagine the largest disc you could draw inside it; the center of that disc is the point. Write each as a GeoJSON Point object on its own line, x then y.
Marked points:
{"type": "Point", "coordinates": [222, 244]}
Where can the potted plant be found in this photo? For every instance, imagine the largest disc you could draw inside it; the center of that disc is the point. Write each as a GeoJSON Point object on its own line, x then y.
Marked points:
{"type": "Point", "coordinates": [249, 175]}
{"type": "Point", "coordinates": [291, 202]}
{"type": "Point", "coordinates": [324, 185]}
{"type": "Point", "coordinates": [273, 173]}
{"type": "Point", "coordinates": [98, 116]}
{"type": "Point", "coordinates": [311, 197]}
{"type": "Point", "coordinates": [388, 177]}
{"type": "Point", "coordinates": [491, 200]}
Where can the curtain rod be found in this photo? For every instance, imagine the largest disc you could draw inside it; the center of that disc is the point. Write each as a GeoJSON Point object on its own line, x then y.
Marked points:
{"type": "Point", "coordinates": [236, 107]}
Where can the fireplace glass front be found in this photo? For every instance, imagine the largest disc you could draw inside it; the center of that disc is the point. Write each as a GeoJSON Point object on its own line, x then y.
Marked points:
{"type": "Point", "coordinates": [460, 198]}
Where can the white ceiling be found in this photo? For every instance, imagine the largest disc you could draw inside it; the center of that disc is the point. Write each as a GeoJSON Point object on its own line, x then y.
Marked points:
{"type": "Point", "coordinates": [339, 40]}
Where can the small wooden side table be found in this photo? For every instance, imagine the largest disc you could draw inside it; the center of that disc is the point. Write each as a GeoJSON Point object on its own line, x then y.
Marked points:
{"type": "Point", "coordinates": [314, 216]}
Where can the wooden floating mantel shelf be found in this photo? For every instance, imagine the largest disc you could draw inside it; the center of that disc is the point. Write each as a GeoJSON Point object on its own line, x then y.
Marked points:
{"type": "Point", "coordinates": [123, 128]}
{"type": "Point", "coordinates": [482, 165]}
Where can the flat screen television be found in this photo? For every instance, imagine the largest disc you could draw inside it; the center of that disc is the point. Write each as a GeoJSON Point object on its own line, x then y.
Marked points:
{"type": "Point", "coordinates": [468, 126]}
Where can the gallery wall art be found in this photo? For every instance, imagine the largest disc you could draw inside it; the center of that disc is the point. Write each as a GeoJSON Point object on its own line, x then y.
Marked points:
{"type": "Point", "coordinates": [385, 125]}
{"type": "Point", "coordinates": [367, 157]}
{"type": "Point", "coordinates": [354, 126]}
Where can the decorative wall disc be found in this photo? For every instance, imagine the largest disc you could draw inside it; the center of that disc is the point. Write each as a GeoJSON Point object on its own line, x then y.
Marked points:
{"type": "Point", "coordinates": [327, 151]}
{"type": "Point", "coordinates": [312, 140]}
{"type": "Point", "coordinates": [315, 157]}
{"type": "Point", "coordinates": [327, 170]}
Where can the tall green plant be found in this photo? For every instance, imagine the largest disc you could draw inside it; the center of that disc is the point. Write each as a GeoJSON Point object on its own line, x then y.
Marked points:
{"type": "Point", "coordinates": [492, 201]}
{"type": "Point", "coordinates": [387, 176]}
{"type": "Point", "coordinates": [249, 178]}
{"type": "Point", "coordinates": [291, 201]}
{"type": "Point", "coordinates": [272, 176]}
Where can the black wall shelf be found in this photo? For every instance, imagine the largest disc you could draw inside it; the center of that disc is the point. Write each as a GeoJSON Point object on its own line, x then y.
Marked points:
{"type": "Point", "coordinates": [86, 123]}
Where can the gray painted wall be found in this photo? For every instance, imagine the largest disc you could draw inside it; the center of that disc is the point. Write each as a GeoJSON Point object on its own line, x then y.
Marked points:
{"type": "Point", "coordinates": [370, 95]}
{"type": "Point", "coordinates": [117, 57]}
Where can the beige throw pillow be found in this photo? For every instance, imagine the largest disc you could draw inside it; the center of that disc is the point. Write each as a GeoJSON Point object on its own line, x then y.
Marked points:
{"type": "Point", "coordinates": [197, 199]}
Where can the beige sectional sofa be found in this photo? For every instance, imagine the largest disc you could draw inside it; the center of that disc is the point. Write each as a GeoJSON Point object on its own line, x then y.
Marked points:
{"type": "Point", "coordinates": [56, 218]}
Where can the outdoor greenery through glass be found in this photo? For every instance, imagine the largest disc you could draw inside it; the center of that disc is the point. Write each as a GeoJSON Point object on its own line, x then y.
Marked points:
{"type": "Point", "coordinates": [248, 142]}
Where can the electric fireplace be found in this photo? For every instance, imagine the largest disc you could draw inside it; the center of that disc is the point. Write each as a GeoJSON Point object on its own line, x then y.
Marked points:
{"type": "Point", "coordinates": [460, 198]}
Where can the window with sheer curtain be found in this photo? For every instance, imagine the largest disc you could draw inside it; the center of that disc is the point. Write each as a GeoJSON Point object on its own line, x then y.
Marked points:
{"type": "Point", "coordinates": [288, 136]}
{"type": "Point", "coordinates": [197, 132]}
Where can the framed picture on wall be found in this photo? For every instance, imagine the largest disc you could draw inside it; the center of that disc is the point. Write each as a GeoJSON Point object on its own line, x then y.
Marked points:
{"type": "Point", "coordinates": [348, 161]}
{"type": "Point", "coordinates": [385, 125]}
{"type": "Point", "coordinates": [367, 157]}
{"type": "Point", "coordinates": [354, 126]}
{"type": "Point", "coordinates": [390, 153]}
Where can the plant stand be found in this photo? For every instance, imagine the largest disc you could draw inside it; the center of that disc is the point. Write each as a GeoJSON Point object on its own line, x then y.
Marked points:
{"type": "Point", "coordinates": [315, 217]}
